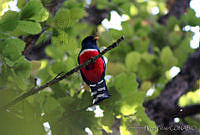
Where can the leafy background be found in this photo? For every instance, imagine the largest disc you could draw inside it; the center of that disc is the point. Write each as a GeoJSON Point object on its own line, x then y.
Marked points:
{"type": "Point", "coordinates": [141, 63]}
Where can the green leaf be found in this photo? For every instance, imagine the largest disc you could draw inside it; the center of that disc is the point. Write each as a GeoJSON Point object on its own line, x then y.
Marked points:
{"type": "Point", "coordinates": [148, 57]}
{"type": "Point", "coordinates": [75, 119]}
{"type": "Point", "coordinates": [58, 67]}
{"type": "Point", "coordinates": [65, 42]}
{"type": "Point", "coordinates": [147, 70]}
{"type": "Point", "coordinates": [137, 25]}
{"type": "Point", "coordinates": [25, 121]}
{"type": "Point", "coordinates": [115, 33]}
{"type": "Point", "coordinates": [183, 50]}
{"type": "Point", "coordinates": [4, 35]}
{"type": "Point", "coordinates": [129, 104]}
{"type": "Point", "coordinates": [74, 15]}
{"type": "Point", "coordinates": [52, 104]}
{"type": "Point", "coordinates": [29, 27]}
{"type": "Point", "coordinates": [44, 75]}
{"type": "Point", "coordinates": [125, 6]}
{"type": "Point", "coordinates": [113, 104]}
{"type": "Point", "coordinates": [193, 122]}
{"type": "Point", "coordinates": [141, 44]}
{"type": "Point", "coordinates": [54, 52]}
{"type": "Point", "coordinates": [174, 38]}
{"type": "Point", "coordinates": [132, 60]}
{"type": "Point", "coordinates": [4, 74]}
{"type": "Point", "coordinates": [9, 21]}
{"type": "Point", "coordinates": [21, 3]}
{"type": "Point", "coordinates": [191, 98]}
{"type": "Point", "coordinates": [171, 23]}
{"type": "Point", "coordinates": [128, 127]}
{"type": "Point", "coordinates": [133, 10]}
{"type": "Point", "coordinates": [102, 4]}
{"type": "Point", "coordinates": [146, 85]}
{"type": "Point", "coordinates": [12, 50]}
{"type": "Point", "coordinates": [115, 68]}
{"type": "Point", "coordinates": [105, 38]}
{"type": "Point", "coordinates": [127, 108]}
{"type": "Point", "coordinates": [144, 120]}
{"type": "Point", "coordinates": [34, 10]}
{"type": "Point", "coordinates": [126, 84]}
{"type": "Point", "coordinates": [127, 87]}
{"type": "Point", "coordinates": [108, 118]}
{"type": "Point", "coordinates": [65, 18]}
{"type": "Point", "coordinates": [190, 18]}
{"type": "Point", "coordinates": [62, 19]}
{"type": "Point", "coordinates": [61, 40]}
{"type": "Point", "coordinates": [167, 58]}
{"type": "Point", "coordinates": [22, 68]}
{"type": "Point", "coordinates": [70, 63]}
{"type": "Point", "coordinates": [158, 36]}
{"type": "Point", "coordinates": [6, 95]}
{"type": "Point", "coordinates": [127, 29]}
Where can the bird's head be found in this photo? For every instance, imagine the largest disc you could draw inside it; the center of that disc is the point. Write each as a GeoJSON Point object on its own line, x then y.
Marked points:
{"type": "Point", "coordinates": [89, 42]}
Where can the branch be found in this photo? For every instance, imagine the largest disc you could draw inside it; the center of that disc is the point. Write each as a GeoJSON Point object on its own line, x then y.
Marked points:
{"type": "Point", "coordinates": [95, 15]}
{"type": "Point", "coordinates": [162, 109]}
{"type": "Point", "coordinates": [176, 8]}
{"type": "Point", "coordinates": [116, 126]}
{"type": "Point", "coordinates": [35, 90]}
{"type": "Point", "coordinates": [37, 52]}
{"type": "Point", "coordinates": [31, 40]}
{"type": "Point", "coordinates": [188, 111]}
{"type": "Point", "coordinates": [54, 6]}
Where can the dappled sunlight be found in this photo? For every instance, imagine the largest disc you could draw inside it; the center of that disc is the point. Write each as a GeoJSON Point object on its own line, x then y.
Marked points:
{"type": "Point", "coordinates": [174, 71]}
{"type": "Point", "coordinates": [88, 131]}
{"type": "Point", "coordinates": [190, 98]}
{"type": "Point", "coordinates": [195, 5]}
{"type": "Point", "coordinates": [115, 21]}
{"type": "Point", "coordinates": [176, 120]}
{"type": "Point", "coordinates": [150, 91]}
{"type": "Point", "coordinates": [47, 128]}
{"type": "Point", "coordinates": [194, 43]}
{"type": "Point", "coordinates": [12, 5]}
{"type": "Point", "coordinates": [96, 109]}
{"type": "Point", "coordinates": [155, 10]}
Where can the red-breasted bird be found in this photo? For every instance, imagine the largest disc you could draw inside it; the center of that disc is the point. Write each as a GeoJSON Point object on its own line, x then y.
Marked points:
{"type": "Point", "coordinates": [94, 73]}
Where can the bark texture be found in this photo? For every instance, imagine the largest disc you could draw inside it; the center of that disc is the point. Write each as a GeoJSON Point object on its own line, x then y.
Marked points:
{"type": "Point", "coordinates": [164, 108]}
{"type": "Point", "coordinates": [176, 8]}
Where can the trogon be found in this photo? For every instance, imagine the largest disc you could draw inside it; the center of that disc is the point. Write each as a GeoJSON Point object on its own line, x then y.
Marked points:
{"type": "Point", "coordinates": [94, 73]}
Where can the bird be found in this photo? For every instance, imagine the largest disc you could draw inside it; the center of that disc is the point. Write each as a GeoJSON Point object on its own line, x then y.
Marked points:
{"type": "Point", "coordinates": [94, 73]}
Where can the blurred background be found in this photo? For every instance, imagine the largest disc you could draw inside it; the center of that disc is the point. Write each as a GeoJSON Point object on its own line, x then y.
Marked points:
{"type": "Point", "coordinates": [153, 75]}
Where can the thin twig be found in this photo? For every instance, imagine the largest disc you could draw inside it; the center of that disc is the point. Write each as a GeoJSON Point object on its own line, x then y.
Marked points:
{"type": "Point", "coordinates": [186, 111]}
{"type": "Point", "coordinates": [35, 90]}
{"type": "Point", "coordinates": [59, 74]}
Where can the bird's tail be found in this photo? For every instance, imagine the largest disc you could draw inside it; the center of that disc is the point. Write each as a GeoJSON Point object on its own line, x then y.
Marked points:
{"type": "Point", "coordinates": [99, 91]}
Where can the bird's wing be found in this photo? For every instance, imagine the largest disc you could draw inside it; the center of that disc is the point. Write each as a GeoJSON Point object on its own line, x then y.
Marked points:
{"type": "Point", "coordinates": [104, 63]}
{"type": "Point", "coordinates": [84, 78]}
{"type": "Point", "coordinates": [94, 72]}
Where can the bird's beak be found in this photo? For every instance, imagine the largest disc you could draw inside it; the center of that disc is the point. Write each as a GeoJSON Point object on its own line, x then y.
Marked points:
{"type": "Point", "coordinates": [96, 38]}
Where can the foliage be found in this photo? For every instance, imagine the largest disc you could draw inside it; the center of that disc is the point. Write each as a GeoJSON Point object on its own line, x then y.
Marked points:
{"type": "Point", "coordinates": [62, 104]}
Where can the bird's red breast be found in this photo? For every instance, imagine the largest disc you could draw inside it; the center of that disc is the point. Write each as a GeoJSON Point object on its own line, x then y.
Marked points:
{"type": "Point", "coordinates": [94, 71]}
